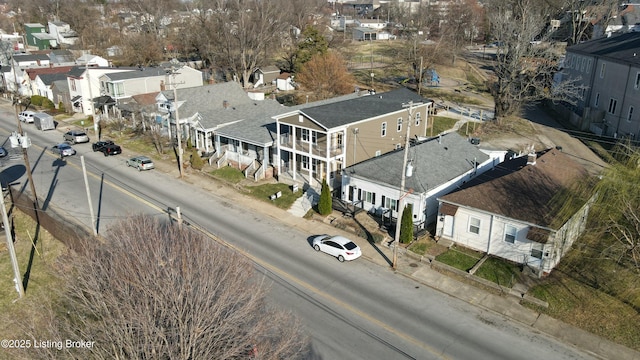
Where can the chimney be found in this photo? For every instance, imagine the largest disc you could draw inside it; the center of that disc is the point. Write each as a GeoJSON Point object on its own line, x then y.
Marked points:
{"type": "Point", "coordinates": [225, 104]}
{"type": "Point", "coordinates": [531, 157]}
{"type": "Point", "coordinates": [163, 87]}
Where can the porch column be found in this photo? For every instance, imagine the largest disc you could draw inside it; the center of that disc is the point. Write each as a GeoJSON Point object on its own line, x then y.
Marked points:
{"type": "Point", "coordinates": [279, 157]}
{"type": "Point", "coordinates": [217, 143]}
{"type": "Point", "coordinates": [294, 152]}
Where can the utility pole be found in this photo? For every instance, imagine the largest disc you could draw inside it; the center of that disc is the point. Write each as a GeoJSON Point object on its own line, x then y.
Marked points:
{"type": "Point", "coordinates": [86, 184]}
{"type": "Point", "coordinates": [23, 140]}
{"type": "Point", "coordinates": [410, 105]}
{"type": "Point", "coordinates": [11, 249]}
{"type": "Point", "coordinates": [177, 118]}
{"type": "Point", "coordinates": [96, 125]}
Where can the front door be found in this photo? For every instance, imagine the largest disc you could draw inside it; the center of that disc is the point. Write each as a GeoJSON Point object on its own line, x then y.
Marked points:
{"type": "Point", "coordinates": [447, 227]}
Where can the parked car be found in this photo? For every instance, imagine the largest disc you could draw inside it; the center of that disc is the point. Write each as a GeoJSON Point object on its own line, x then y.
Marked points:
{"type": "Point", "coordinates": [76, 136]}
{"type": "Point", "coordinates": [63, 150]}
{"type": "Point", "coordinates": [26, 116]}
{"type": "Point", "coordinates": [107, 147]}
{"type": "Point", "coordinates": [3, 152]}
{"type": "Point", "coordinates": [338, 246]}
{"type": "Point", "coordinates": [141, 163]}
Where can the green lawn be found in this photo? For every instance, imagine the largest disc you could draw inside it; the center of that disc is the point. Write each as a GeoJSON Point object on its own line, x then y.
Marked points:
{"type": "Point", "coordinates": [228, 174]}
{"type": "Point", "coordinates": [264, 192]}
{"type": "Point", "coordinates": [441, 123]}
{"type": "Point", "coordinates": [498, 271]}
{"type": "Point", "coordinates": [459, 258]}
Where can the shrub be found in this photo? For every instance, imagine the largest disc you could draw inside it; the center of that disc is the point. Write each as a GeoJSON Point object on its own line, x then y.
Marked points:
{"type": "Point", "coordinates": [196, 161]}
{"type": "Point", "coordinates": [36, 100]}
{"type": "Point", "coordinates": [48, 104]}
{"type": "Point", "coordinates": [406, 225]}
{"type": "Point", "coordinates": [61, 107]}
{"type": "Point", "coordinates": [324, 206]}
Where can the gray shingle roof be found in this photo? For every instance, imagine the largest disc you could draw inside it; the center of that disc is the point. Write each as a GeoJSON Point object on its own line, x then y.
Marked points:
{"type": "Point", "coordinates": [624, 48]}
{"type": "Point", "coordinates": [48, 79]}
{"type": "Point", "coordinates": [346, 112]}
{"type": "Point", "coordinates": [133, 74]}
{"type": "Point", "coordinates": [209, 100]}
{"type": "Point", "coordinates": [434, 162]}
{"type": "Point", "coordinates": [261, 128]}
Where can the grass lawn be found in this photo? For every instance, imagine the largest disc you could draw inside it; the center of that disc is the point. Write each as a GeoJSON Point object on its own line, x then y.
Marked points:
{"type": "Point", "coordinates": [459, 258]}
{"type": "Point", "coordinates": [264, 192]}
{"type": "Point", "coordinates": [499, 271]}
{"type": "Point", "coordinates": [441, 123]}
{"type": "Point", "coordinates": [590, 309]}
{"type": "Point", "coordinates": [228, 174]}
{"type": "Point", "coordinates": [40, 275]}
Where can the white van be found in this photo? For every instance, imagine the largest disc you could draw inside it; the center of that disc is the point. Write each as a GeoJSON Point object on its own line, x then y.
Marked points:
{"type": "Point", "coordinates": [26, 117]}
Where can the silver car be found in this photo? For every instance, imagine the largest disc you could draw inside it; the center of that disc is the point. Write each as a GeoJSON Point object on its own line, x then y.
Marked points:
{"type": "Point", "coordinates": [141, 163]}
{"type": "Point", "coordinates": [63, 150]}
{"type": "Point", "coordinates": [76, 136]}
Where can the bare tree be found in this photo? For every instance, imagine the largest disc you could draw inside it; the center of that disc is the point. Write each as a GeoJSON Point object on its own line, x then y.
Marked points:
{"type": "Point", "coordinates": [584, 14]}
{"type": "Point", "coordinates": [326, 75]}
{"type": "Point", "coordinates": [161, 291]}
{"type": "Point", "coordinates": [525, 71]}
{"type": "Point", "coordinates": [460, 30]}
{"type": "Point", "coordinates": [246, 33]}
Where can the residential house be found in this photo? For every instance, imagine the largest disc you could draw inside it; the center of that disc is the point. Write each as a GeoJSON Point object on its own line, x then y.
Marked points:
{"type": "Point", "coordinates": [85, 86]}
{"type": "Point", "coordinates": [37, 37]}
{"type": "Point", "coordinates": [320, 141]}
{"type": "Point", "coordinates": [63, 33]}
{"type": "Point", "coordinates": [93, 60]}
{"type": "Point", "coordinates": [435, 167]}
{"type": "Point", "coordinates": [265, 76]}
{"type": "Point", "coordinates": [16, 75]}
{"type": "Point", "coordinates": [609, 69]}
{"type": "Point", "coordinates": [627, 20]}
{"type": "Point", "coordinates": [38, 81]}
{"type": "Point", "coordinates": [515, 211]}
{"type": "Point", "coordinates": [201, 110]}
{"type": "Point", "coordinates": [60, 95]}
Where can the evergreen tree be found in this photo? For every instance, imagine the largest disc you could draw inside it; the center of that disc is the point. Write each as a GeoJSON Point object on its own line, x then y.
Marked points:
{"type": "Point", "coordinates": [406, 225]}
{"type": "Point", "coordinates": [313, 43]}
{"type": "Point", "coordinates": [325, 206]}
{"type": "Point", "coordinates": [196, 161]}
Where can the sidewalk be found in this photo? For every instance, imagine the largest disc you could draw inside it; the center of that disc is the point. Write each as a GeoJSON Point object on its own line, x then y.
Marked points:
{"type": "Point", "coordinates": [423, 273]}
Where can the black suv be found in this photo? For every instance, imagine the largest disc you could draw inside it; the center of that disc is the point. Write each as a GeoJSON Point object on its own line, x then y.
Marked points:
{"type": "Point", "coordinates": [107, 147]}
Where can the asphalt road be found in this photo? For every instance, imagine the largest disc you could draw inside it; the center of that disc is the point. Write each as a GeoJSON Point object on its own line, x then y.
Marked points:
{"type": "Point", "coordinates": [353, 310]}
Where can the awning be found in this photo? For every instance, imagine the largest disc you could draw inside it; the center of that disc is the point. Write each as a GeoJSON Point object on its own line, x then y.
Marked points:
{"type": "Point", "coordinates": [538, 235]}
{"type": "Point", "coordinates": [104, 100]}
{"type": "Point", "coordinates": [76, 99]}
{"type": "Point", "coordinates": [448, 209]}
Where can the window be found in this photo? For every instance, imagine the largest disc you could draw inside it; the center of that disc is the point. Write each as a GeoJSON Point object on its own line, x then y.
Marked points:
{"type": "Point", "coordinates": [418, 118]}
{"type": "Point", "coordinates": [583, 63]}
{"type": "Point", "coordinates": [399, 125]}
{"type": "Point", "coordinates": [474, 225]}
{"type": "Point", "coordinates": [637, 82]}
{"type": "Point", "coordinates": [589, 66]}
{"type": "Point", "coordinates": [368, 197]}
{"type": "Point", "coordinates": [391, 204]}
{"type": "Point", "coordinates": [612, 105]}
{"type": "Point", "coordinates": [314, 137]}
{"type": "Point", "coordinates": [630, 114]}
{"type": "Point", "coordinates": [305, 134]}
{"type": "Point", "coordinates": [305, 162]}
{"type": "Point", "coordinates": [595, 103]}
{"type": "Point", "coordinates": [383, 131]}
{"type": "Point", "coordinates": [582, 92]}
{"type": "Point", "coordinates": [602, 70]}
{"type": "Point", "coordinates": [73, 85]}
{"type": "Point", "coordinates": [536, 250]}
{"type": "Point", "coordinates": [510, 233]}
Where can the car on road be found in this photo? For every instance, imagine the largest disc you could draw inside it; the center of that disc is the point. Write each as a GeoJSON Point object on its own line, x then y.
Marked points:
{"type": "Point", "coordinates": [141, 163]}
{"type": "Point", "coordinates": [26, 116]}
{"type": "Point", "coordinates": [338, 246]}
{"type": "Point", "coordinates": [63, 150]}
{"type": "Point", "coordinates": [3, 152]}
{"type": "Point", "coordinates": [107, 147]}
{"type": "Point", "coordinates": [76, 136]}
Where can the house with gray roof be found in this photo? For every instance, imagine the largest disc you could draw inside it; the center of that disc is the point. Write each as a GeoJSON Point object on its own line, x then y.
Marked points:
{"type": "Point", "coordinates": [318, 142]}
{"type": "Point", "coordinates": [523, 211]}
{"type": "Point", "coordinates": [435, 167]}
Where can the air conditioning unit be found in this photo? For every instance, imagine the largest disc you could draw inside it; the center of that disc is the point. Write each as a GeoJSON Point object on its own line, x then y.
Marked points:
{"type": "Point", "coordinates": [555, 24]}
